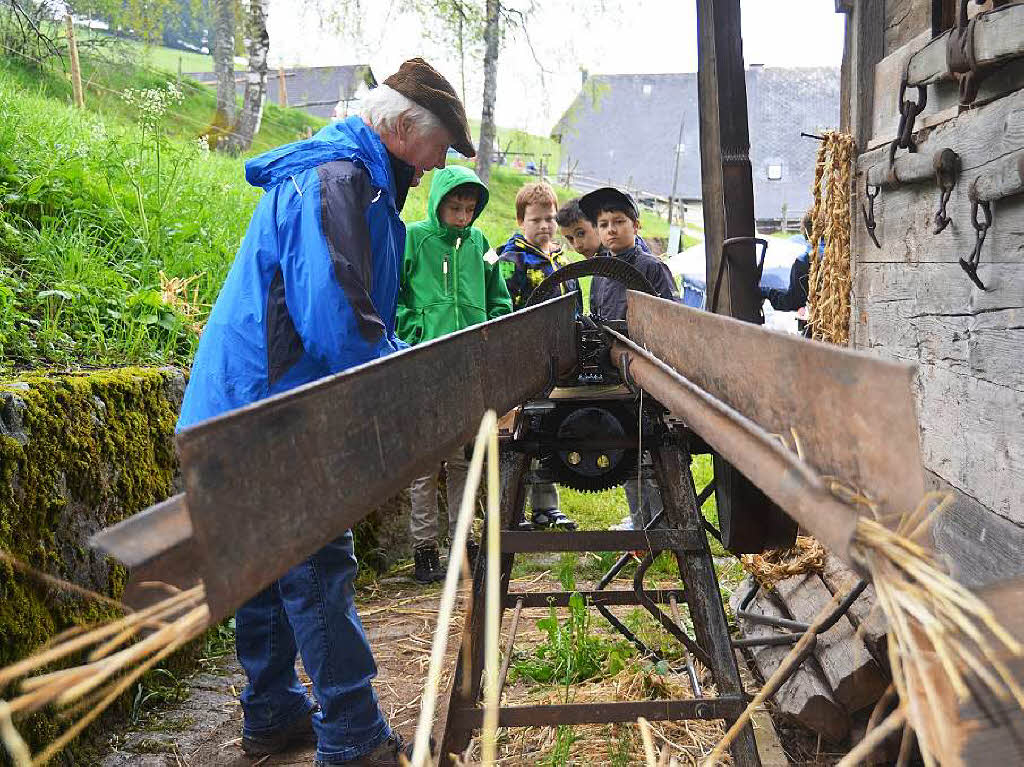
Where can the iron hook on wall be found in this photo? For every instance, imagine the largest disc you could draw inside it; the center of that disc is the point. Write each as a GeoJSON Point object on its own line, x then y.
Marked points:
{"type": "Point", "coordinates": [869, 212]}
{"type": "Point", "coordinates": [947, 168]}
{"type": "Point", "coordinates": [970, 264]}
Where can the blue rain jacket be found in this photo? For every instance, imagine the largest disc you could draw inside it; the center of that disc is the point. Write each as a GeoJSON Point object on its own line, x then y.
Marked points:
{"type": "Point", "coordinates": [314, 286]}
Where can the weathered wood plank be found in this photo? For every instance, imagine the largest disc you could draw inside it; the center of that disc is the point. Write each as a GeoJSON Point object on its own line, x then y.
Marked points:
{"type": "Point", "coordinates": [978, 547]}
{"type": "Point", "coordinates": [864, 614]}
{"type": "Point", "coordinates": [930, 313]}
{"type": "Point", "coordinates": [854, 676]}
{"type": "Point", "coordinates": [972, 435]}
{"type": "Point", "coordinates": [909, 168]}
{"type": "Point", "coordinates": [943, 105]}
{"type": "Point", "coordinates": [991, 732]}
{"type": "Point", "coordinates": [1000, 178]}
{"type": "Point", "coordinates": [867, 39]}
{"type": "Point", "coordinates": [886, 88]}
{"type": "Point", "coordinates": [998, 37]}
{"type": "Point", "coordinates": [905, 217]}
{"type": "Point", "coordinates": [769, 747]}
{"type": "Point", "coordinates": [805, 697]}
{"type": "Point", "coordinates": [978, 135]}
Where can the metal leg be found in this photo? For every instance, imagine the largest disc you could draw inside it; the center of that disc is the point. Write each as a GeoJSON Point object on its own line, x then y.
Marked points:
{"type": "Point", "coordinates": [467, 680]}
{"type": "Point", "coordinates": [702, 594]}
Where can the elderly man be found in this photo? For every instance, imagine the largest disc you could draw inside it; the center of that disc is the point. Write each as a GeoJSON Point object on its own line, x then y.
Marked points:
{"type": "Point", "coordinates": [312, 292]}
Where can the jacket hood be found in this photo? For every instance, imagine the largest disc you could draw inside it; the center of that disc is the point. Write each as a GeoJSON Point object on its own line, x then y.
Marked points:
{"type": "Point", "coordinates": [350, 139]}
{"type": "Point", "coordinates": [442, 182]}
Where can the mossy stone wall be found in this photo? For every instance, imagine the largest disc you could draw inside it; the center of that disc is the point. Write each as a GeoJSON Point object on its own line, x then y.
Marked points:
{"type": "Point", "coordinates": [82, 451]}
{"type": "Point", "coordinates": [78, 452]}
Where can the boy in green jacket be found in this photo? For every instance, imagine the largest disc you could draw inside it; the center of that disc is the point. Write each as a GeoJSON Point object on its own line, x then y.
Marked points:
{"type": "Point", "coordinates": [446, 286]}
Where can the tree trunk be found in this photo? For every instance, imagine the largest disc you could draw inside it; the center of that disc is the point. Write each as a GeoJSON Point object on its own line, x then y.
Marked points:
{"type": "Point", "coordinates": [256, 79]}
{"type": "Point", "coordinates": [224, 66]}
{"type": "Point", "coordinates": [492, 32]}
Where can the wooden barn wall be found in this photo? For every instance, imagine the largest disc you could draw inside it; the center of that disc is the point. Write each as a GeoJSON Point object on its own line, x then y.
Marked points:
{"type": "Point", "coordinates": [912, 301]}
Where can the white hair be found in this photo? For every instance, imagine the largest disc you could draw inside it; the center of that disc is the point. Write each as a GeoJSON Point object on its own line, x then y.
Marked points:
{"type": "Point", "coordinates": [383, 106]}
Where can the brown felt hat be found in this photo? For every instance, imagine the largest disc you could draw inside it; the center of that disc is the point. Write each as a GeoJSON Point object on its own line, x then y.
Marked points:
{"type": "Point", "coordinates": [420, 82]}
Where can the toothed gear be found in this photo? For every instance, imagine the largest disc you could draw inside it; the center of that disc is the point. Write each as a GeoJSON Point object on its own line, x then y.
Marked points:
{"type": "Point", "coordinates": [590, 471]}
{"type": "Point", "coordinates": [604, 266]}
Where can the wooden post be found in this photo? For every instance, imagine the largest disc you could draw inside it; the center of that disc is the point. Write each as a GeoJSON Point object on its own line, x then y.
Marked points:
{"type": "Point", "coordinates": [179, 71]}
{"type": "Point", "coordinates": [749, 521]}
{"type": "Point", "coordinates": [725, 158]}
{"type": "Point", "coordinates": [76, 70]}
{"type": "Point", "coordinates": [282, 88]}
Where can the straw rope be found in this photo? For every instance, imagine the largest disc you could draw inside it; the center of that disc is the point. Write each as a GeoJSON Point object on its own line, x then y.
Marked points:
{"type": "Point", "coordinates": [830, 279]}
{"type": "Point", "coordinates": [807, 555]}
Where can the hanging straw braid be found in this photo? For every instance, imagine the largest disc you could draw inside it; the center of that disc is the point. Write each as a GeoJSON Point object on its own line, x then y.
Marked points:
{"type": "Point", "coordinates": [829, 281]}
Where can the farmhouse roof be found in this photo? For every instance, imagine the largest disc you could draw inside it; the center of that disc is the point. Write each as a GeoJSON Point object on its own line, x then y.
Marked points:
{"type": "Point", "coordinates": [317, 90]}
{"type": "Point", "coordinates": [623, 129]}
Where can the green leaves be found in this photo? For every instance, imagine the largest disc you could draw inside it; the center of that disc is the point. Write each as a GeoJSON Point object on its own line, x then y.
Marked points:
{"type": "Point", "coordinates": [571, 652]}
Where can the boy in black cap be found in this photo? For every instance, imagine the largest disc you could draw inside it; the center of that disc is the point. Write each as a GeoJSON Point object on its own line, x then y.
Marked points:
{"type": "Point", "coordinates": [617, 219]}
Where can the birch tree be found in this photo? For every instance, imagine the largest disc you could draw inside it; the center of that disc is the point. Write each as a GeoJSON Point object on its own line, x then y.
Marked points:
{"type": "Point", "coordinates": [224, 64]}
{"type": "Point", "coordinates": [248, 124]}
{"type": "Point", "coordinates": [492, 34]}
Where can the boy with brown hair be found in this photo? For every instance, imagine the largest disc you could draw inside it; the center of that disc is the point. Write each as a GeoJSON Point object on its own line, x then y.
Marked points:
{"type": "Point", "coordinates": [530, 256]}
{"type": "Point", "coordinates": [577, 230]}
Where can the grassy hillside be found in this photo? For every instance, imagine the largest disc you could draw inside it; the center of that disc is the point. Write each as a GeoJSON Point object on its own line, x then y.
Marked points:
{"type": "Point", "coordinates": [117, 227]}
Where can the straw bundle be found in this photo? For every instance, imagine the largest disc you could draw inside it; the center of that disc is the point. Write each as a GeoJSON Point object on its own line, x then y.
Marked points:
{"type": "Point", "coordinates": [182, 295]}
{"type": "Point", "coordinates": [805, 556]}
{"type": "Point", "coordinates": [942, 639]}
{"type": "Point", "coordinates": [119, 653]}
{"type": "Point", "coordinates": [941, 634]}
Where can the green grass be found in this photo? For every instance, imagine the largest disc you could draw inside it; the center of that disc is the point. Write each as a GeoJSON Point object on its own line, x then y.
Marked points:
{"type": "Point", "coordinates": [88, 223]}
{"type": "Point", "coordinates": [155, 56]}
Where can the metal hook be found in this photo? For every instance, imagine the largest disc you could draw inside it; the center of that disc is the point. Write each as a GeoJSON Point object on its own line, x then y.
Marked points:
{"type": "Point", "coordinates": [869, 212]}
{"type": "Point", "coordinates": [970, 264]}
{"type": "Point", "coordinates": [942, 219]}
{"type": "Point", "coordinates": [947, 168]}
{"type": "Point", "coordinates": [909, 110]}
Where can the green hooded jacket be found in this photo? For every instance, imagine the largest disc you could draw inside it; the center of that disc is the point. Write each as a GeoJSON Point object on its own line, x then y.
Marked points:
{"type": "Point", "coordinates": [446, 284]}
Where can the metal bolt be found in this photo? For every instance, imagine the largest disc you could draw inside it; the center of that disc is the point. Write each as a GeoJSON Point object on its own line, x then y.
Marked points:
{"type": "Point", "coordinates": [574, 458]}
{"type": "Point", "coordinates": [603, 461]}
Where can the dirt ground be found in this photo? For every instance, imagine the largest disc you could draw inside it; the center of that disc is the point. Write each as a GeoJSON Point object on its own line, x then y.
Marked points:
{"type": "Point", "coordinates": [399, 617]}
{"type": "Point", "coordinates": [205, 729]}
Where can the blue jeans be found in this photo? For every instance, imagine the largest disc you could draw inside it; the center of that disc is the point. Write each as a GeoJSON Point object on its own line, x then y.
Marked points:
{"type": "Point", "coordinates": [311, 610]}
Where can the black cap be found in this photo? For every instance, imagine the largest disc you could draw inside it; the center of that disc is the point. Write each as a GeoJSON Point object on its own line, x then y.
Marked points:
{"type": "Point", "coordinates": [592, 202]}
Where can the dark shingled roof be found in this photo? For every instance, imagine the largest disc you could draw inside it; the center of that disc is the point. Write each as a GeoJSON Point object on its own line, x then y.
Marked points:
{"type": "Point", "coordinates": [622, 129]}
{"type": "Point", "coordinates": [317, 90]}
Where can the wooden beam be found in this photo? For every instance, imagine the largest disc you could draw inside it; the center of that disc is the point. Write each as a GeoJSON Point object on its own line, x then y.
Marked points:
{"type": "Point", "coordinates": [868, 48]}
{"type": "Point", "coordinates": [864, 613]}
{"type": "Point", "coordinates": [851, 672]}
{"type": "Point", "coordinates": [805, 697]}
{"type": "Point", "coordinates": [725, 158]}
{"type": "Point", "coordinates": [728, 193]}
{"type": "Point", "coordinates": [998, 38]}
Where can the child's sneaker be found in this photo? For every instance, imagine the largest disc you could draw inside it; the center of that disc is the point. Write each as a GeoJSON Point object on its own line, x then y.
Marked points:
{"type": "Point", "coordinates": [428, 565]}
{"type": "Point", "coordinates": [548, 518]}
